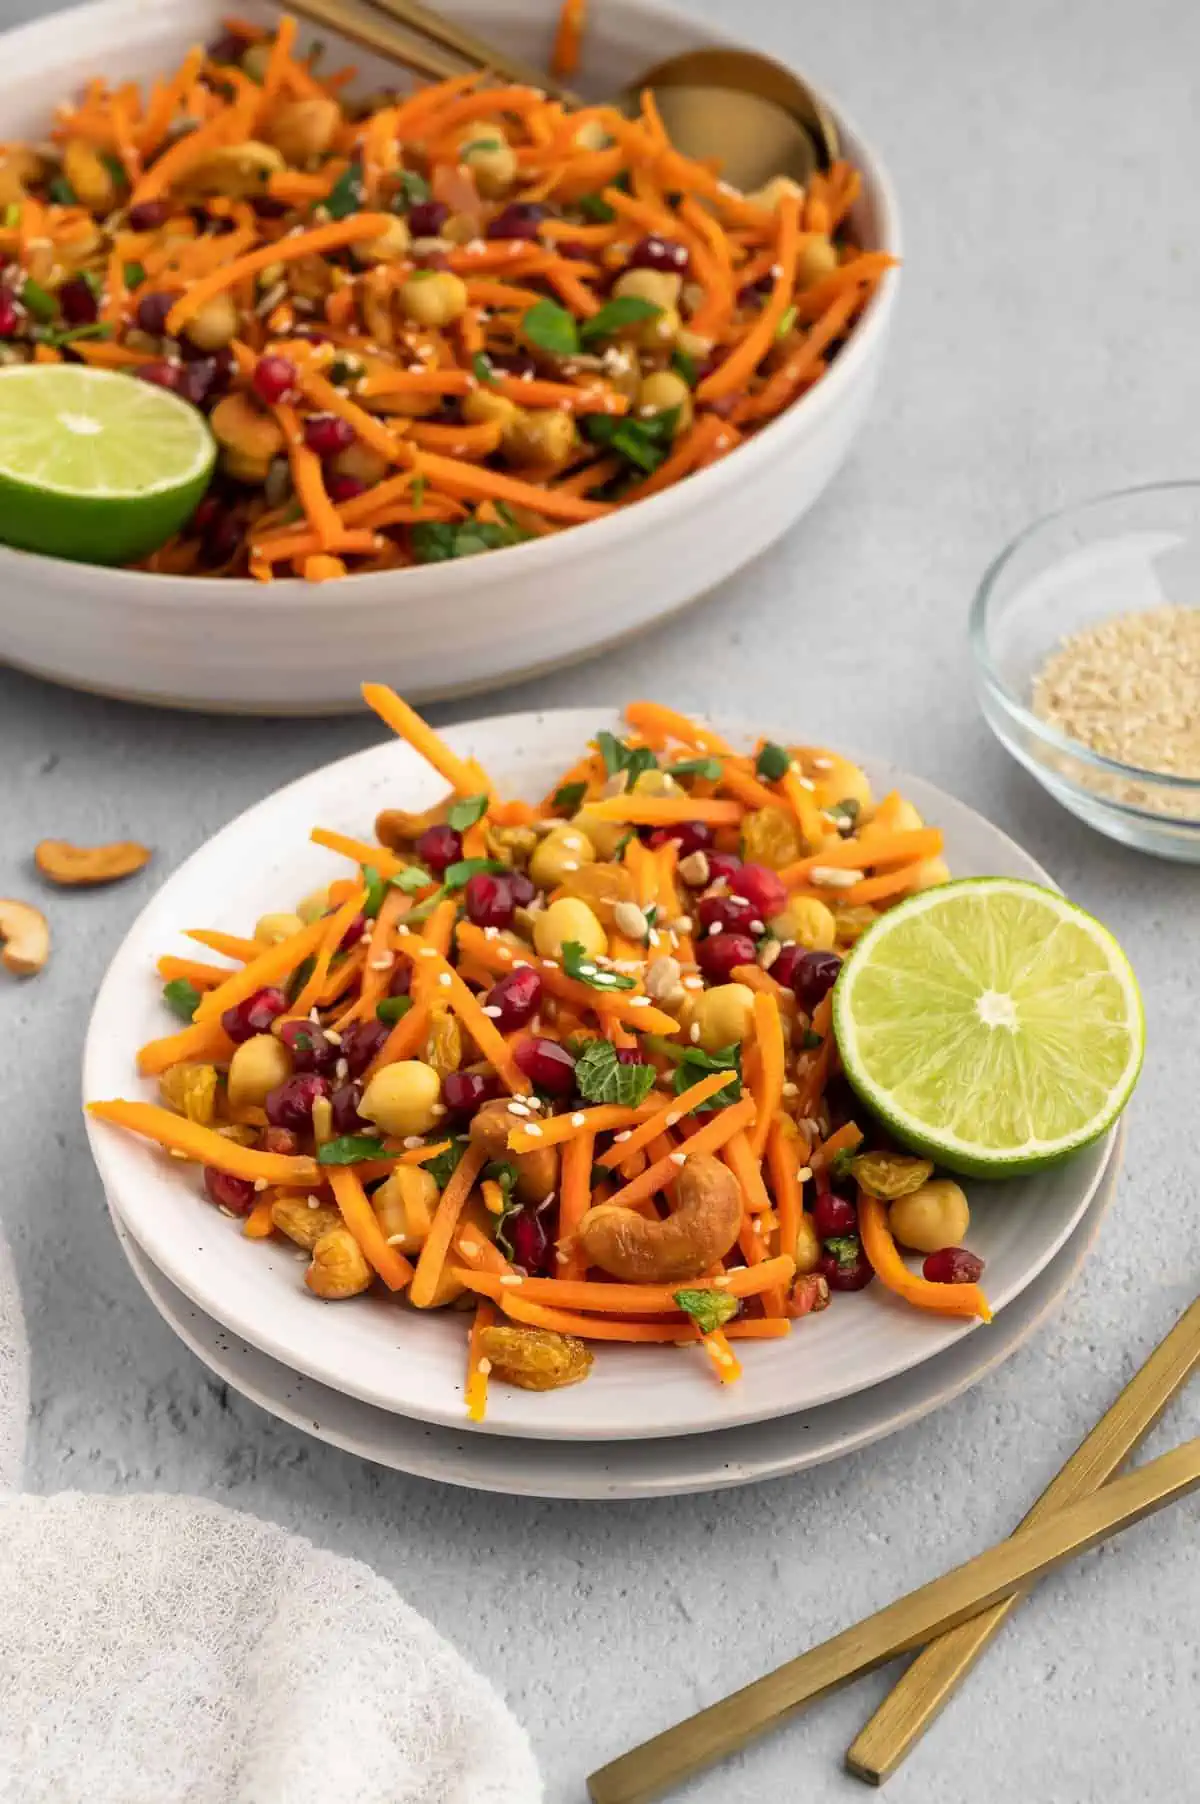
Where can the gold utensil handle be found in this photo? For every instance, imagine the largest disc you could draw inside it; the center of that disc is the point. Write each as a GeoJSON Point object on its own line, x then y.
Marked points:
{"type": "Point", "coordinates": [916, 1698]}
{"type": "Point", "coordinates": [646, 1772]}
{"type": "Point", "coordinates": [361, 28]}
{"type": "Point", "coordinates": [472, 49]}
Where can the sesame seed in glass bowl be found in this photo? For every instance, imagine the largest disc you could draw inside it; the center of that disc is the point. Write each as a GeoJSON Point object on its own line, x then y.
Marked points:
{"type": "Point", "coordinates": [1085, 633]}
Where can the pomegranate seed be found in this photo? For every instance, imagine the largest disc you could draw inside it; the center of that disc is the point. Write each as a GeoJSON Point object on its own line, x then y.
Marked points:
{"type": "Point", "coordinates": [227, 1192]}
{"type": "Point", "coordinates": [665, 254]}
{"type": "Point", "coordinates": [353, 933]}
{"type": "Point", "coordinates": [225, 49]}
{"type": "Point", "coordinates": [152, 311]}
{"type": "Point", "coordinates": [274, 379]}
{"type": "Point", "coordinates": [723, 867]}
{"type": "Point", "coordinates": [547, 1065]}
{"type": "Point", "coordinates": [833, 1215]}
{"type": "Point", "coordinates": [400, 982]}
{"type": "Point", "coordinates": [629, 1055]}
{"type": "Point", "coordinates": [162, 374]}
{"type": "Point", "coordinates": [207, 513]}
{"type": "Point", "coordinates": [77, 303]}
{"type": "Point", "coordinates": [223, 539]}
{"type": "Point", "coordinates": [465, 1091]}
{"type": "Point", "coordinates": [255, 1015]}
{"type": "Point", "coordinates": [343, 1106]}
{"type": "Point", "coordinates": [488, 899]}
{"type": "Point", "coordinates": [844, 1264]}
{"type": "Point", "coordinates": [718, 957]}
{"type": "Point", "coordinates": [953, 1265]}
{"type": "Point", "coordinates": [815, 975]}
{"type": "Point", "coordinates": [520, 219]}
{"type": "Point", "coordinates": [729, 913]}
{"type": "Point", "coordinates": [576, 253]}
{"type": "Point", "coordinates": [762, 889]}
{"type": "Point", "coordinates": [427, 217]}
{"type": "Point", "coordinates": [787, 965]}
{"type": "Point", "coordinates": [10, 315]}
{"type": "Point", "coordinates": [148, 215]}
{"type": "Point", "coordinates": [516, 995]}
{"type": "Point", "coordinates": [531, 1245]}
{"type": "Point", "coordinates": [689, 836]}
{"type": "Point", "coordinates": [198, 379]}
{"type": "Point", "coordinates": [267, 207]}
{"type": "Point", "coordinates": [360, 1042]}
{"type": "Point", "coordinates": [281, 1140]}
{"type": "Point", "coordinates": [523, 888]}
{"type": "Point", "coordinates": [290, 1104]}
{"type": "Point", "coordinates": [344, 488]}
{"type": "Point", "coordinates": [309, 1046]}
{"type": "Point", "coordinates": [326, 434]}
{"type": "Point", "coordinates": [439, 847]}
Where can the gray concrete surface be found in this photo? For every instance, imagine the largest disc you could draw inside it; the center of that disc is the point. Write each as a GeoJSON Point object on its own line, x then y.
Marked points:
{"type": "Point", "coordinates": [1045, 159]}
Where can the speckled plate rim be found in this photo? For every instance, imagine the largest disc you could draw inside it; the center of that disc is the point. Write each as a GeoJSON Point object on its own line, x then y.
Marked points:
{"type": "Point", "coordinates": [621, 1471]}
{"type": "Point", "coordinates": [385, 1355]}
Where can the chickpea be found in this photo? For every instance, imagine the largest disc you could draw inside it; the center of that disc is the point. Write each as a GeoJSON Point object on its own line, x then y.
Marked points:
{"type": "Point", "coordinates": [403, 1098]}
{"type": "Point", "coordinates": [314, 905]}
{"type": "Point", "coordinates": [809, 922]}
{"type": "Point", "coordinates": [693, 344]}
{"type": "Point", "coordinates": [295, 1217]}
{"type": "Point", "coordinates": [622, 371]}
{"type": "Point", "coordinates": [433, 297]}
{"type": "Point", "coordinates": [605, 836]}
{"type": "Point", "coordinates": [846, 783]}
{"type": "Point", "coordinates": [656, 783]}
{"type": "Point", "coordinates": [817, 260]}
{"type": "Point", "coordinates": [404, 1207]}
{"type": "Point", "coordinates": [248, 437]}
{"type": "Point", "coordinates": [214, 325]}
{"type": "Point", "coordinates": [491, 160]}
{"type": "Point", "coordinates": [391, 244]}
{"type": "Point", "coordinates": [537, 1173]}
{"type": "Point", "coordinates": [592, 136]}
{"type": "Point", "coordinates": [663, 392]}
{"type": "Point", "coordinates": [483, 407]}
{"type": "Point", "coordinates": [808, 1247]}
{"type": "Point", "coordinates": [561, 852]}
{"type": "Point", "coordinates": [568, 919]}
{"type": "Point", "coordinates": [772, 192]}
{"type": "Point", "coordinates": [338, 1268]}
{"type": "Point", "coordinates": [255, 59]}
{"type": "Point", "coordinates": [723, 1015]}
{"type": "Point", "coordinates": [271, 929]}
{"type": "Point", "coordinates": [928, 874]}
{"type": "Point", "coordinates": [361, 461]}
{"type": "Point", "coordinates": [301, 129]}
{"type": "Point", "coordinates": [258, 1066]}
{"type": "Point", "coordinates": [932, 1217]}
{"type": "Point", "coordinates": [660, 287]}
{"type": "Point", "coordinates": [92, 181]}
{"type": "Point", "coordinates": [544, 436]}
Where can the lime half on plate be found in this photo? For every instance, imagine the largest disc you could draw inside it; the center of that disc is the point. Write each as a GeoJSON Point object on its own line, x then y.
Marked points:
{"type": "Point", "coordinates": [993, 1025]}
{"type": "Point", "coordinates": [95, 465]}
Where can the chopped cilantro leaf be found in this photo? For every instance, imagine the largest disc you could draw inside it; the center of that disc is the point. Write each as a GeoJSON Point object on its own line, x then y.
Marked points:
{"type": "Point", "coordinates": [595, 208]}
{"type": "Point", "coordinates": [708, 768]}
{"type": "Point", "coordinates": [411, 880]}
{"type": "Point", "coordinates": [772, 762]}
{"type": "Point", "coordinates": [443, 1168]}
{"type": "Point", "coordinates": [686, 367]}
{"type": "Point", "coordinates": [463, 814]}
{"type": "Point", "coordinates": [346, 195]}
{"type": "Point", "coordinates": [709, 1309]}
{"type": "Point", "coordinates": [181, 997]}
{"type": "Point", "coordinates": [411, 190]}
{"type": "Point", "coordinates": [456, 875]}
{"type": "Point", "coordinates": [567, 799]}
{"type": "Point", "coordinates": [583, 969]}
{"type": "Point", "coordinates": [625, 310]}
{"type": "Point", "coordinates": [696, 1063]}
{"type": "Point", "coordinates": [551, 328]}
{"type": "Point", "coordinates": [617, 756]}
{"type": "Point", "coordinates": [351, 1149]}
{"type": "Point", "coordinates": [376, 890]}
{"type": "Point", "coordinates": [393, 1009]}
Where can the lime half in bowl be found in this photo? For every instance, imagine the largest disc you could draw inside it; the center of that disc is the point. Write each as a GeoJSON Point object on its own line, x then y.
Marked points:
{"type": "Point", "coordinates": [94, 465]}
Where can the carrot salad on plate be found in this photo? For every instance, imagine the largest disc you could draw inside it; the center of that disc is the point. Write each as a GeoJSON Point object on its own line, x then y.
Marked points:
{"type": "Point", "coordinates": [571, 1058]}
{"type": "Point", "coordinates": [421, 325]}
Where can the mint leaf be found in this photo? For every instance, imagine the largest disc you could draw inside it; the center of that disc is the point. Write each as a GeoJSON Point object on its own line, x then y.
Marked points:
{"type": "Point", "coordinates": [346, 195]}
{"type": "Point", "coordinates": [551, 328]}
{"type": "Point", "coordinates": [412, 189]}
{"type": "Point", "coordinates": [351, 1149]}
{"type": "Point", "coordinates": [393, 1008]}
{"type": "Point", "coordinates": [809, 1041]}
{"type": "Point", "coordinates": [595, 208]}
{"type": "Point", "coordinates": [567, 799]}
{"type": "Point", "coordinates": [38, 300]}
{"type": "Point", "coordinates": [482, 369]}
{"type": "Point", "coordinates": [97, 329]}
{"type": "Point", "coordinates": [464, 814]}
{"type": "Point", "coordinates": [845, 812]}
{"type": "Point", "coordinates": [436, 541]}
{"type": "Point", "coordinates": [696, 1063]}
{"type": "Point", "coordinates": [577, 964]}
{"type": "Point", "coordinates": [62, 193]}
{"type": "Point", "coordinates": [300, 977]}
{"type": "Point", "coordinates": [685, 366]}
{"type": "Point", "coordinates": [642, 442]}
{"type": "Point", "coordinates": [456, 875]}
{"type": "Point", "coordinates": [625, 310]}
{"type": "Point", "coordinates": [709, 1309]}
{"type": "Point", "coordinates": [181, 997]}
{"type": "Point", "coordinates": [842, 1163]}
{"type": "Point", "coordinates": [844, 1248]}
{"type": "Point", "coordinates": [135, 274]}
{"type": "Point", "coordinates": [617, 756]}
{"type": "Point", "coordinates": [410, 880]}
{"type": "Point", "coordinates": [709, 768]}
{"type": "Point", "coordinates": [443, 1168]}
{"type": "Point", "coordinates": [424, 909]}
{"type": "Point", "coordinates": [601, 1077]}
{"type": "Point", "coordinates": [504, 1173]}
{"type": "Point", "coordinates": [772, 762]}
{"type": "Point", "coordinates": [376, 890]}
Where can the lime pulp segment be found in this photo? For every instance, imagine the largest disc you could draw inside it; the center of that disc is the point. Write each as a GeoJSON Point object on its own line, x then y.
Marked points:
{"type": "Point", "coordinates": [992, 1023]}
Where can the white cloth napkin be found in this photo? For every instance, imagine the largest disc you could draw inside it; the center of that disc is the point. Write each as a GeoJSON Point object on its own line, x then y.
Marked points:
{"type": "Point", "coordinates": [164, 1650]}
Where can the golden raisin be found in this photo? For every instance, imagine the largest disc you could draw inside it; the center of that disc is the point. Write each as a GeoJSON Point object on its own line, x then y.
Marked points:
{"type": "Point", "coordinates": [771, 837]}
{"type": "Point", "coordinates": [890, 1175]}
{"type": "Point", "coordinates": [535, 1359]}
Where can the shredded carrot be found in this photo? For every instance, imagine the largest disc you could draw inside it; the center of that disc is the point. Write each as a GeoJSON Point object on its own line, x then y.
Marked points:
{"type": "Point", "coordinates": [880, 1248]}
{"type": "Point", "coordinates": [205, 1144]}
{"type": "Point", "coordinates": [203, 1040]}
{"type": "Point", "coordinates": [772, 1053]}
{"type": "Point", "coordinates": [258, 1224]}
{"type": "Point", "coordinates": [231, 944]}
{"type": "Point", "coordinates": [333, 930]}
{"type": "Point", "coordinates": [601, 1118]}
{"type": "Point", "coordinates": [477, 1371]}
{"type": "Point", "coordinates": [462, 776]}
{"type": "Point", "coordinates": [846, 1139]}
{"type": "Point", "coordinates": [666, 811]}
{"type": "Point", "coordinates": [360, 1218]}
{"type": "Point", "coordinates": [271, 964]}
{"type": "Point", "coordinates": [564, 58]}
{"type": "Point", "coordinates": [575, 1199]}
{"type": "Point", "coordinates": [665, 1117]}
{"type": "Point", "coordinates": [628, 1007]}
{"type": "Point", "coordinates": [707, 1139]}
{"type": "Point", "coordinates": [192, 970]}
{"type": "Point", "coordinates": [630, 1299]}
{"type": "Point", "coordinates": [483, 1031]}
{"type": "Point", "coordinates": [875, 850]}
{"type": "Point", "coordinates": [450, 1207]}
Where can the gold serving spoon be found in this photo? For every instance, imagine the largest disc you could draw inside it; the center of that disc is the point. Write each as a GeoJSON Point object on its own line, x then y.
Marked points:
{"type": "Point", "coordinates": [758, 118]}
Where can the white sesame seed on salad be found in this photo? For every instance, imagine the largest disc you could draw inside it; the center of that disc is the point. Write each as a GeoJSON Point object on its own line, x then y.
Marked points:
{"type": "Point", "coordinates": [804, 1174]}
{"type": "Point", "coordinates": [694, 1033]}
{"type": "Point", "coordinates": [493, 1011]}
{"type": "Point", "coordinates": [533, 1129]}
{"type": "Point", "coordinates": [578, 1119]}
{"type": "Point", "coordinates": [677, 1158]}
{"type": "Point", "coordinates": [411, 1142]}
{"type": "Point", "coordinates": [445, 979]}
{"type": "Point", "coordinates": [518, 1108]}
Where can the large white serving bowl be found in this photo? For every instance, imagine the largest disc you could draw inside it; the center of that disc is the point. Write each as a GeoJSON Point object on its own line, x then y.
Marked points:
{"type": "Point", "coordinates": [387, 1354]}
{"type": "Point", "coordinates": [297, 648]}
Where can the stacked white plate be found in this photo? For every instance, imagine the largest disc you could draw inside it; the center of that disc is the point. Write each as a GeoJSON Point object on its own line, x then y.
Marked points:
{"type": "Point", "coordinates": [387, 1382]}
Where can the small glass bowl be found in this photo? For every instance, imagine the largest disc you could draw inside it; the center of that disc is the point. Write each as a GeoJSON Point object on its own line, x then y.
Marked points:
{"type": "Point", "coordinates": [1119, 554]}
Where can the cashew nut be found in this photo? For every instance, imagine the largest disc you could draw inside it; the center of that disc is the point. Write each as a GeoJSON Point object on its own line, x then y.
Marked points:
{"type": "Point", "coordinates": [25, 934]}
{"type": "Point", "coordinates": [537, 1171]}
{"type": "Point", "coordinates": [64, 863]}
{"type": "Point", "coordinates": [698, 1232]}
{"type": "Point", "coordinates": [237, 169]}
